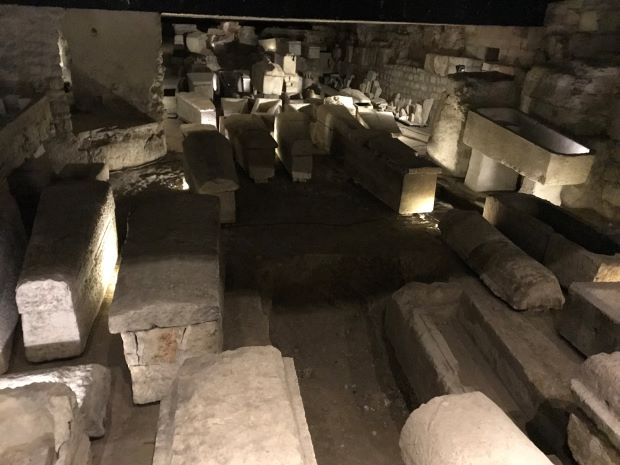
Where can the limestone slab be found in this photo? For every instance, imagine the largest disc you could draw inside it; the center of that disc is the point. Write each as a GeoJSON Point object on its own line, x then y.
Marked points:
{"type": "Point", "coordinates": [509, 272]}
{"type": "Point", "coordinates": [195, 107]}
{"type": "Point", "coordinates": [588, 445]}
{"type": "Point", "coordinates": [485, 174]}
{"type": "Point", "coordinates": [41, 424]}
{"type": "Point", "coordinates": [170, 275]}
{"type": "Point", "coordinates": [391, 171]}
{"type": "Point", "coordinates": [333, 125]}
{"type": "Point", "coordinates": [590, 320]}
{"type": "Point", "coordinates": [69, 265]}
{"type": "Point", "coordinates": [295, 147]}
{"type": "Point", "coordinates": [12, 248]}
{"type": "Point", "coordinates": [465, 428]}
{"type": "Point", "coordinates": [267, 78]}
{"type": "Point", "coordinates": [241, 406]}
{"type": "Point", "coordinates": [90, 384]}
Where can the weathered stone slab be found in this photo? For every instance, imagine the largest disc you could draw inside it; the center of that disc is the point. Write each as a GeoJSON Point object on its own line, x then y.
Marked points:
{"type": "Point", "coordinates": [90, 383]}
{"type": "Point", "coordinates": [596, 392]}
{"type": "Point", "coordinates": [82, 171]}
{"type": "Point", "coordinates": [511, 274]}
{"type": "Point", "coordinates": [154, 356]}
{"type": "Point", "coordinates": [170, 275]}
{"type": "Point", "coordinates": [254, 148]}
{"type": "Point", "coordinates": [208, 162]}
{"type": "Point", "coordinates": [195, 107]}
{"type": "Point", "coordinates": [465, 428]}
{"type": "Point", "coordinates": [259, 420]}
{"type": "Point", "coordinates": [391, 171]}
{"type": "Point", "coordinates": [485, 174]}
{"type": "Point", "coordinates": [12, 248]}
{"type": "Point", "coordinates": [247, 320]}
{"type": "Point", "coordinates": [41, 425]}
{"type": "Point", "coordinates": [588, 445]}
{"type": "Point", "coordinates": [69, 264]}
{"type": "Point", "coordinates": [295, 147]}
{"type": "Point", "coordinates": [590, 320]}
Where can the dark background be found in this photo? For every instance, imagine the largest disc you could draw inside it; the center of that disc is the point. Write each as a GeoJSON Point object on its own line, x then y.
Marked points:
{"type": "Point", "coordinates": [478, 12]}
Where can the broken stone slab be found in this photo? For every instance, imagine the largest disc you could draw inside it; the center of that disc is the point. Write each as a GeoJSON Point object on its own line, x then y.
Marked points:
{"type": "Point", "coordinates": [208, 162]}
{"type": "Point", "coordinates": [70, 263]}
{"type": "Point", "coordinates": [588, 445]}
{"type": "Point", "coordinates": [91, 385]}
{"type": "Point", "coordinates": [295, 147]}
{"type": "Point", "coordinates": [590, 320]}
{"type": "Point", "coordinates": [509, 272]}
{"type": "Point", "coordinates": [379, 121]}
{"type": "Point", "coordinates": [485, 174]}
{"type": "Point", "coordinates": [260, 420]}
{"type": "Point", "coordinates": [465, 428]}
{"type": "Point", "coordinates": [12, 248]}
{"type": "Point", "coordinates": [154, 356]}
{"type": "Point", "coordinates": [595, 388]}
{"type": "Point", "coordinates": [194, 107]}
{"type": "Point", "coordinates": [247, 320]}
{"type": "Point", "coordinates": [391, 171]}
{"type": "Point", "coordinates": [82, 171]}
{"type": "Point", "coordinates": [232, 106]}
{"type": "Point", "coordinates": [42, 425]}
{"type": "Point", "coordinates": [171, 272]}
{"type": "Point", "coordinates": [332, 127]}
{"type": "Point", "coordinates": [253, 146]}
{"type": "Point", "coordinates": [513, 343]}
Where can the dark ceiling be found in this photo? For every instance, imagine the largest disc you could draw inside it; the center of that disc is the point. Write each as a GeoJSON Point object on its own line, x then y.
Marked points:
{"type": "Point", "coordinates": [495, 12]}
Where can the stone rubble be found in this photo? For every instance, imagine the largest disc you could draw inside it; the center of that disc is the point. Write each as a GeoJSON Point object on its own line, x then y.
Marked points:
{"type": "Point", "coordinates": [69, 265]}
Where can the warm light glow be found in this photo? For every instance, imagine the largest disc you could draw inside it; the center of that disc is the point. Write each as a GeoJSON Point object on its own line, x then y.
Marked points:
{"type": "Point", "coordinates": [185, 185]}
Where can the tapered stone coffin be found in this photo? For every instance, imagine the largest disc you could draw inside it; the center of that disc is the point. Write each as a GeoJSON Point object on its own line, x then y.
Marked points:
{"type": "Point", "coordinates": [69, 264]}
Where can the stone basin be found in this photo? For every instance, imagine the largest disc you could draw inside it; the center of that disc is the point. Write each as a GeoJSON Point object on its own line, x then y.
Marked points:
{"type": "Point", "coordinates": [526, 145]}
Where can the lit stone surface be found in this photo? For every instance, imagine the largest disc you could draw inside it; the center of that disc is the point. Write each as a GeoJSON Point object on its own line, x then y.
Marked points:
{"type": "Point", "coordinates": [257, 418]}
{"type": "Point", "coordinates": [485, 174]}
{"type": "Point", "coordinates": [253, 146]}
{"type": "Point", "coordinates": [596, 391]}
{"type": "Point", "coordinates": [590, 320]}
{"type": "Point", "coordinates": [391, 171]}
{"type": "Point", "coordinates": [195, 107]}
{"type": "Point", "coordinates": [295, 147]}
{"type": "Point", "coordinates": [41, 425]}
{"type": "Point", "coordinates": [69, 264]}
{"type": "Point", "coordinates": [89, 383]}
{"type": "Point", "coordinates": [509, 273]}
{"type": "Point", "coordinates": [588, 445]}
{"type": "Point", "coordinates": [465, 428]}
{"type": "Point", "coordinates": [12, 247]}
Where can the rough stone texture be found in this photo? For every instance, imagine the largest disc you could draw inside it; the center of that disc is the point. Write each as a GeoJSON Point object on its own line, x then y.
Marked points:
{"type": "Point", "coordinates": [295, 147]}
{"type": "Point", "coordinates": [596, 392]}
{"type": "Point", "coordinates": [90, 383]}
{"type": "Point", "coordinates": [465, 428]}
{"type": "Point", "coordinates": [170, 275]}
{"type": "Point", "coordinates": [254, 148]}
{"type": "Point", "coordinates": [572, 263]}
{"type": "Point", "coordinates": [391, 171]}
{"type": "Point", "coordinates": [241, 406]}
{"type": "Point", "coordinates": [247, 320]}
{"type": "Point", "coordinates": [590, 320]}
{"type": "Point", "coordinates": [195, 107]}
{"type": "Point", "coordinates": [81, 171]}
{"type": "Point", "coordinates": [107, 59]}
{"type": "Point", "coordinates": [12, 247]}
{"type": "Point", "coordinates": [69, 264]}
{"type": "Point", "coordinates": [118, 148]}
{"type": "Point", "coordinates": [41, 424]}
{"type": "Point", "coordinates": [588, 445]}
{"type": "Point", "coordinates": [208, 162]}
{"type": "Point", "coordinates": [510, 274]}
{"type": "Point", "coordinates": [155, 355]}
{"type": "Point", "coordinates": [21, 137]}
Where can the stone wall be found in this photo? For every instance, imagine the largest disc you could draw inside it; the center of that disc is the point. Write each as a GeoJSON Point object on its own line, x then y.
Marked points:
{"type": "Point", "coordinates": [30, 58]}
{"type": "Point", "coordinates": [116, 53]}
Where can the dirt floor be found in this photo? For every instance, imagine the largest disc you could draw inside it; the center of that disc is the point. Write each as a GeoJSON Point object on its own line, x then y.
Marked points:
{"type": "Point", "coordinates": [321, 251]}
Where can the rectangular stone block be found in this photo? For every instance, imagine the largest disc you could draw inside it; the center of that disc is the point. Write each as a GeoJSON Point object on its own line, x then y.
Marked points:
{"type": "Point", "coordinates": [267, 78]}
{"type": "Point", "coordinates": [194, 107]}
{"type": "Point", "coordinates": [295, 147]}
{"type": "Point", "coordinates": [485, 174]}
{"type": "Point", "coordinates": [391, 171]}
{"type": "Point", "coordinates": [70, 263]}
{"type": "Point", "coordinates": [203, 83]}
{"type": "Point", "coordinates": [171, 272]}
{"type": "Point", "coordinates": [90, 384]}
{"type": "Point", "coordinates": [154, 356]}
{"type": "Point", "coordinates": [379, 121]}
{"type": "Point", "coordinates": [333, 125]}
{"type": "Point", "coordinates": [232, 106]}
{"type": "Point", "coordinates": [12, 248]}
{"type": "Point", "coordinates": [259, 420]}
